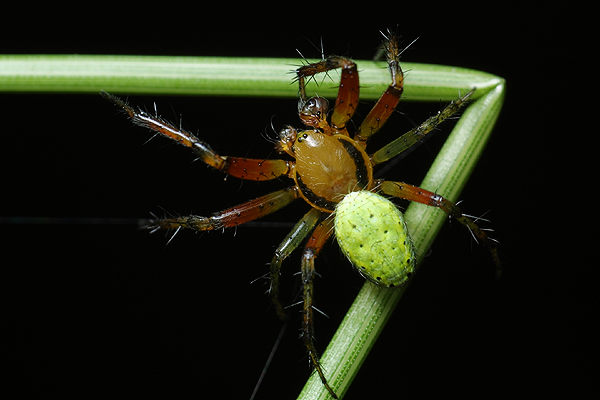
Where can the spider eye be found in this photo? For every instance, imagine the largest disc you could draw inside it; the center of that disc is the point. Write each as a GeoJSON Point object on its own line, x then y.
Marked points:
{"type": "Point", "coordinates": [287, 136]}
{"type": "Point", "coordinates": [301, 138]}
{"type": "Point", "coordinates": [313, 109]}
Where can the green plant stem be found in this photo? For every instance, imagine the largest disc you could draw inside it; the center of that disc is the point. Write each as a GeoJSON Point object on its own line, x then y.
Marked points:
{"type": "Point", "coordinates": [272, 77]}
{"type": "Point", "coordinates": [217, 76]}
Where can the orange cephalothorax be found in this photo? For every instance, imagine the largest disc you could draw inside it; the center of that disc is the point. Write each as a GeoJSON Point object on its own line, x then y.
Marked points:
{"type": "Point", "coordinates": [328, 167]}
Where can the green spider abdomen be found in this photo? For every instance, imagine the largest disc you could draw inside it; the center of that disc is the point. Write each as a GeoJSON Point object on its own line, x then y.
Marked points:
{"type": "Point", "coordinates": [371, 232]}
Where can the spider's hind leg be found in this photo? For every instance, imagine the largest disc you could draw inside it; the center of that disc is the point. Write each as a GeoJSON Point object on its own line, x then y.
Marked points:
{"type": "Point", "coordinates": [314, 245]}
{"type": "Point", "coordinates": [237, 215]}
{"type": "Point", "coordinates": [287, 246]}
{"type": "Point", "coordinates": [414, 193]}
{"type": "Point", "coordinates": [411, 139]}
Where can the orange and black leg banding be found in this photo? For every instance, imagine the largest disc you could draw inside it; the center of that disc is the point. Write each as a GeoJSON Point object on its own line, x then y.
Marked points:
{"type": "Point", "coordinates": [348, 92]}
{"type": "Point", "coordinates": [387, 103]}
{"type": "Point", "coordinates": [237, 215]}
{"type": "Point", "coordinates": [239, 167]}
{"type": "Point", "coordinates": [256, 169]}
{"type": "Point", "coordinates": [314, 245]}
{"type": "Point", "coordinates": [379, 114]}
{"type": "Point", "coordinates": [414, 193]}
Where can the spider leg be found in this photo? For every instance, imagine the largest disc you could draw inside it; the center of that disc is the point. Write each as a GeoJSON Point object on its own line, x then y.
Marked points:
{"type": "Point", "coordinates": [239, 167]}
{"type": "Point", "coordinates": [414, 193]}
{"type": "Point", "coordinates": [230, 217]}
{"type": "Point", "coordinates": [347, 97]}
{"type": "Point", "coordinates": [314, 245]}
{"type": "Point", "coordinates": [388, 101]}
{"type": "Point", "coordinates": [417, 135]}
{"type": "Point", "coordinates": [287, 246]}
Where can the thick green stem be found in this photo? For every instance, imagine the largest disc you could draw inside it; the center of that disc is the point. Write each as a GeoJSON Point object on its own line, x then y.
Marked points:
{"type": "Point", "coordinates": [217, 76]}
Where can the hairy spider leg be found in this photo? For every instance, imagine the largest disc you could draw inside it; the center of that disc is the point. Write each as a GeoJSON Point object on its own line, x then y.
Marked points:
{"type": "Point", "coordinates": [239, 167]}
{"type": "Point", "coordinates": [388, 101]}
{"type": "Point", "coordinates": [315, 243]}
{"type": "Point", "coordinates": [419, 134]}
{"type": "Point", "coordinates": [233, 216]}
{"type": "Point", "coordinates": [414, 193]}
{"type": "Point", "coordinates": [285, 248]}
{"type": "Point", "coordinates": [348, 92]}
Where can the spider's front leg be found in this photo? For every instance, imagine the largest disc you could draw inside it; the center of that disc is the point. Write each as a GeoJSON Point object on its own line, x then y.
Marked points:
{"type": "Point", "coordinates": [388, 101]}
{"type": "Point", "coordinates": [314, 245]}
{"type": "Point", "coordinates": [348, 92]}
{"type": "Point", "coordinates": [414, 193]}
{"type": "Point", "coordinates": [239, 167]}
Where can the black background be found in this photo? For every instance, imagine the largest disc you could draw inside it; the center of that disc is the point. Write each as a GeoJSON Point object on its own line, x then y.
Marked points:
{"type": "Point", "coordinates": [98, 310]}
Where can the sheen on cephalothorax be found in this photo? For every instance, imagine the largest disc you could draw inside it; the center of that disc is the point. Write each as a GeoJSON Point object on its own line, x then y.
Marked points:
{"type": "Point", "coordinates": [372, 233]}
{"type": "Point", "coordinates": [328, 167]}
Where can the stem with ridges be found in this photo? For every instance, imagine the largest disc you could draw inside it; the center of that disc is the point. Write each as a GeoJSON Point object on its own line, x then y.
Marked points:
{"type": "Point", "coordinates": [219, 76]}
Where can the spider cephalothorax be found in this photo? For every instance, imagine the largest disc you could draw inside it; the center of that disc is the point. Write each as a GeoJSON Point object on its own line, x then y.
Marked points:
{"type": "Point", "coordinates": [332, 171]}
{"type": "Point", "coordinates": [328, 167]}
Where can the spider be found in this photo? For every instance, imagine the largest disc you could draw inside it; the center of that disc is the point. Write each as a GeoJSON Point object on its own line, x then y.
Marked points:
{"type": "Point", "coordinates": [332, 172]}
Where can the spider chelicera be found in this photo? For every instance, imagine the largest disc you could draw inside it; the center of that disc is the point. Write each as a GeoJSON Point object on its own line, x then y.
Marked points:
{"type": "Point", "coordinates": [333, 173]}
